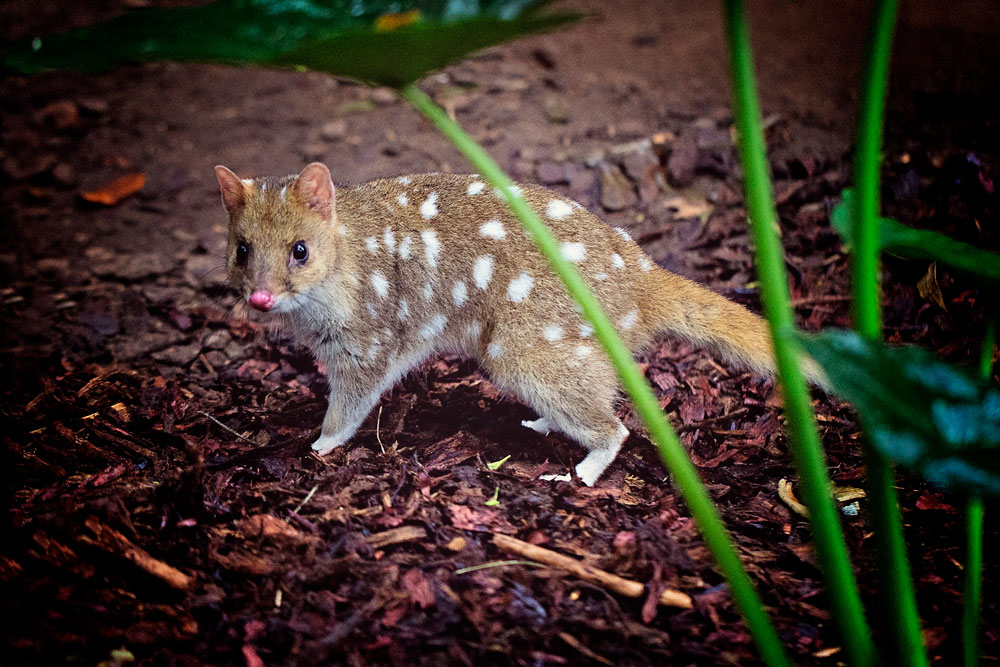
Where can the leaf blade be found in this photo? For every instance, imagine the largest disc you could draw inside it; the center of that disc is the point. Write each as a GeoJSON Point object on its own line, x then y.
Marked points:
{"type": "Point", "coordinates": [912, 243]}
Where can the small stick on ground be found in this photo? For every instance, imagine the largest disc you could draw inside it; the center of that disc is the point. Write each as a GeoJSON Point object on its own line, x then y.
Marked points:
{"type": "Point", "coordinates": [711, 420]}
{"type": "Point", "coordinates": [612, 582]}
{"type": "Point", "coordinates": [216, 421]}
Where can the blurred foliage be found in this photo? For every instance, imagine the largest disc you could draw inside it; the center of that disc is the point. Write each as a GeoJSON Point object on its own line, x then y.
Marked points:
{"type": "Point", "coordinates": [939, 419]}
{"type": "Point", "coordinates": [380, 42]}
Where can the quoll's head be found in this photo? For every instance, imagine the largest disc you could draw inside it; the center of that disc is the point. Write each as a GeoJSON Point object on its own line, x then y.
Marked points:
{"type": "Point", "coordinates": [282, 235]}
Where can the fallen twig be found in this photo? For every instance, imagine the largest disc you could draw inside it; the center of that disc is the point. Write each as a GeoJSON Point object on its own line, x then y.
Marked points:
{"type": "Point", "coordinates": [613, 582]}
{"type": "Point", "coordinates": [711, 420]}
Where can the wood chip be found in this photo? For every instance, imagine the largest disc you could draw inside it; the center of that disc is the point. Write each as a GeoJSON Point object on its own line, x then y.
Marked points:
{"type": "Point", "coordinates": [396, 535]}
{"type": "Point", "coordinates": [112, 541]}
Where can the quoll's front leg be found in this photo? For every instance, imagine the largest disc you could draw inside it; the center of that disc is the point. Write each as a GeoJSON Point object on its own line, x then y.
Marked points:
{"type": "Point", "coordinates": [347, 409]}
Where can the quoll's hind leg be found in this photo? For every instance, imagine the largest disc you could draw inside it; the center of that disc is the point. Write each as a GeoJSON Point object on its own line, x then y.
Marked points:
{"type": "Point", "coordinates": [570, 395]}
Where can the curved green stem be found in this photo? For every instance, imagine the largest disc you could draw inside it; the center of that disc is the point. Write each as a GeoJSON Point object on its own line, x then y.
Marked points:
{"type": "Point", "coordinates": [684, 474]}
{"type": "Point", "coordinates": [805, 445]}
{"type": "Point", "coordinates": [887, 524]}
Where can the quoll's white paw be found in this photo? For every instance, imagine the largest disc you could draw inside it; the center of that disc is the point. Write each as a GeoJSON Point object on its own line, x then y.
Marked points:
{"type": "Point", "coordinates": [541, 425]}
{"type": "Point", "coordinates": [556, 478]}
{"type": "Point", "coordinates": [326, 444]}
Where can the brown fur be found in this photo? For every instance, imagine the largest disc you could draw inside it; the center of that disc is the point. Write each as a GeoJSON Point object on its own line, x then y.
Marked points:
{"type": "Point", "coordinates": [397, 270]}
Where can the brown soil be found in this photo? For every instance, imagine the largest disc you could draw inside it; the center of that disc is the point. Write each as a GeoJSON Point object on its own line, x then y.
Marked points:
{"type": "Point", "coordinates": [161, 495]}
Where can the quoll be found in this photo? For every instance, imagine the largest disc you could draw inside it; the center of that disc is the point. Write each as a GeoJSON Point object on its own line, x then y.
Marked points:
{"type": "Point", "coordinates": [377, 277]}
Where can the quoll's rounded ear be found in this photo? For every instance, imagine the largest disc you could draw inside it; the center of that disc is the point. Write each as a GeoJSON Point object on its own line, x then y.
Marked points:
{"type": "Point", "coordinates": [233, 188]}
{"type": "Point", "coordinates": [315, 189]}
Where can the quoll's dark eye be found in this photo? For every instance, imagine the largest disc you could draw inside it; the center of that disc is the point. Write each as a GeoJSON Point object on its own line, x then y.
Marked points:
{"type": "Point", "coordinates": [242, 254]}
{"type": "Point", "coordinates": [300, 253]}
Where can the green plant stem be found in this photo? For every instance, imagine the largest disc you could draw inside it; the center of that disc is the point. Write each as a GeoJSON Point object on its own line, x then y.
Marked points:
{"type": "Point", "coordinates": [867, 305]}
{"type": "Point", "coordinates": [972, 598]}
{"type": "Point", "coordinates": [807, 451]}
{"type": "Point", "coordinates": [887, 524]}
{"type": "Point", "coordinates": [684, 474]}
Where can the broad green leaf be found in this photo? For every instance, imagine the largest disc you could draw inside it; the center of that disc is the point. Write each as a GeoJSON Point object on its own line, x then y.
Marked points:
{"type": "Point", "coordinates": [382, 42]}
{"type": "Point", "coordinates": [898, 239]}
{"type": "Point", "coordinates": [940, 419]}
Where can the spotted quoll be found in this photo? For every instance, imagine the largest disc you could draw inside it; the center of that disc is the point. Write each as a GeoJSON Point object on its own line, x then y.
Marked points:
{"type": "Point", "coordinates": [377, 277]}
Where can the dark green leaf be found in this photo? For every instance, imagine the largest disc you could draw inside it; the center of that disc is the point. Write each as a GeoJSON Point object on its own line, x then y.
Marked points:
{"type": "Point", "coordinates": [903, 241]}
{"type": "Point", "coordinates": [940, 419]}
{"type": "Point", "coordinates": [377, 41]}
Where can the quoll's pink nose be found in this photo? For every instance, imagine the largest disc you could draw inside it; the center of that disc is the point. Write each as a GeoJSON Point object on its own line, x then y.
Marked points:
{"type": "Point", "coordinates": [262, 300]}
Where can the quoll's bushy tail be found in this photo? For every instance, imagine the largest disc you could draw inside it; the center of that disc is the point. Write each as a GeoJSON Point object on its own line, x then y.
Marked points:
{"type": "Point", "coordinates": [684, 308]}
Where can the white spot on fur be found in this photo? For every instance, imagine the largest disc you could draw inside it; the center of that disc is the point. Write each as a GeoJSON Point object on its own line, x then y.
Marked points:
{"type": "Point", "coordinates": [405, 246]}
{"type": "Point", "coordinates": [475, 188]}
{"type": "Point", "coordinates": [434, 327]}
{"type": "Point", "coordinates": [387, 333]}
{"type": "Point", "coordinates": [515, 190]}
{"type": "Point", "coordinates": [644, 264]}
{"type": "Point", "coordinates": [573, 252]}
{"type": "Point", "coordinates": [493, 230]}
{"type": "Point", "coordinates": [558, 209]}
{"type": "Point", "coordinates": [284, 189]}
{"type": "Point", "coordinates": [552, 333]}
{"type": "Point", "coordinates": [372, 244]}
{"type": "Point", "coordinates": [432, 247]}
{"type": "Point", "coordinates": [624, 234]}
{"type": "Point", "coordinates": [403, 200]}
{"type": "Point", "coordinates": [429, 208]}
{"type": "Point", "coordinates": [342, 230]}
{"type": "Point", "coordinates": [389, 239]}
{"type": "Point", "coordinates": [617, 261]}
{"type": "Point", "coordinates": [482, 271]}
{"type": "Point", "coordinates": [520, 287]}
{"type": "Point", "coordinates": [405, 180]}
{"type": "Point", "coordinates": [371, 311]}
{"type": "Point", "coordinates": [601, 276]}
{"type": "Point", "coordinates": [586, 330]}
{"type": "Point", "coordinates": [459, 293]}
{"type": "Point", "coordinates": [373, 349]}
{"type": "Point", "coordinates": [380, 284]}
{"type": "Point", "coordinates": [404, 310]}
{"type": "Point", "coordinates": [629, 319]}
{"type": "Point", "coordinates": [474, 330]}
{"type": "Point", "coordinates": [494, 349]}
{"type": "Point", "coordinates": [582, 351]}
{"type": "Point", "coordinates": [428, 292]}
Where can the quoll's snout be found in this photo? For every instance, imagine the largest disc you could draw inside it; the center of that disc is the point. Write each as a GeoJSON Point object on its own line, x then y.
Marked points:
{"type": "Point", "coordinates": [262, 300]}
